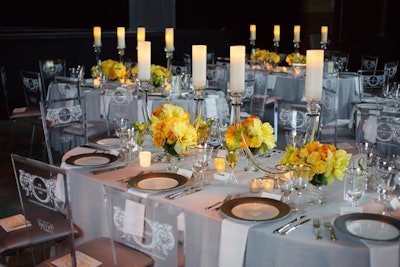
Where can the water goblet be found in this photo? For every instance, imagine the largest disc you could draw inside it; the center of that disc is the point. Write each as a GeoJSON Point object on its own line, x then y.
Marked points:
{"type": "Point", "coordinates": [232, 157]}
{"type": "Point", "coordinates": [386, 182]}
{"type": "Point", "coordinates": [285, 181]}
{"type": "Point", "coordinates": [201, 156]}
{"type": "Point", "coordinates": [355, 184]}
{"type": "Point", "coordinates": [300, 174]}
{"type": "Point", "coordinates": [120, 124]}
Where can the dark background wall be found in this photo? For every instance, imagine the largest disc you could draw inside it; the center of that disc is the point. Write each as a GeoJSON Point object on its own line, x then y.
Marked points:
{"type": "Point", "coordinates": [33, 30]}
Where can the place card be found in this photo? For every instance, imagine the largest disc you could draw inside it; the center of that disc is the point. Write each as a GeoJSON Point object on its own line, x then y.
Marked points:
{"type": "Point", "coordinates": [222, 176]}
{"type": "Point", "coordinates": [187, 173]}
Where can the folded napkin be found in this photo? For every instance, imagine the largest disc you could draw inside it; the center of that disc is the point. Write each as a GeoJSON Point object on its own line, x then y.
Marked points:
{"type": "Point", "coordinates": [382, 254]}
{"type": "Point", "coordinates": [233, 243]}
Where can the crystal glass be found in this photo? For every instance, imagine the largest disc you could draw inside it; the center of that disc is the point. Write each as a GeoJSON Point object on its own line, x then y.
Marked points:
{"type": "Point", "coordinates": [200, 156]}
{"type": "Point", "coordinates": [300, 175]}
{"type": "Point", "coordinates": [355, 184]}
{"type": "Point", "coordinates": [285, 181]}
{"type": "Point", "coordinates": [386, 182]}
{"type": "Point", "coordinates": [232, 157]}
{"type": "Point", "coordinates": [120, 124]}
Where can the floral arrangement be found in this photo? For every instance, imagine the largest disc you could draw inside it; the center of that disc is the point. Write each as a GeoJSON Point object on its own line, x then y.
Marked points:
{"type": "Point", "coordinates": [258, 136]}
{"type": "Point", "coordinates": [171, 129]}
{"type": "Point", "coordinates": [140, 127]}
{"type": "Point", "coordinates": [295, 58]}
{"type": "Point", "coordinates": [326, 160]}
{"type": "Point", "coordinates": [265, 55]}
{"type": "Point", "coordinates": [112, 69]}
{"type": "Point", "coordinates": [158, 74]}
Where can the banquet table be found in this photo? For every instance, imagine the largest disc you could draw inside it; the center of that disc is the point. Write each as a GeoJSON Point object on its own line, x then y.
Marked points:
{"type": "Point", "coordinates": [215, 239]}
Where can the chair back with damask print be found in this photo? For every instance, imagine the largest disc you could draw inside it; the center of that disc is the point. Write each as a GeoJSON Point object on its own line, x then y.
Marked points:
{"type": "Point", "coordinates": [153, 227]}
{"type": "Point", "coordinates": [369, 62]}
{"type": "Point", "coordinates": [372, 83]}
{"type": "Point", "coordinates": [391, 67]}
{"type": "Point", "coordinates": [50, 68]}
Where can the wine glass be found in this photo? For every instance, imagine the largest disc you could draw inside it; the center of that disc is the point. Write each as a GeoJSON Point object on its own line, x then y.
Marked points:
{"type": "Point", "coordinates": [386, 182]}
{"type": "Point", "coordinates": [120, 124]}
{"type": "Point", "coordinates": [355, 184]}
{"type": "Point", "coordinates": [300, 174]}
{"type": "Point", "coordinates": [285, 181]}
{"type": "Point", "coordinates": [232, 157]}
{"type": "Point", "coordinates": [201, 156]}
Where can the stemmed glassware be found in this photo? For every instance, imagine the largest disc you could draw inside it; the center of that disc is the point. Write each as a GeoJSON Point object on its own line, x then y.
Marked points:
{"type": "Point", "coordinates": [232, 157]}
{"type": "Point", "coordinates": [355, 184]}
{"type": "Point", "coordinates": [300, 174]}
{"type": "Point", "coordinates": [120, 124]}
{"type": "Point", "coordinates": [285, 181]}
{"type": "Point", "coordinates": [386, 182]}
{"type": "Point", "coordinates": [201, 156]}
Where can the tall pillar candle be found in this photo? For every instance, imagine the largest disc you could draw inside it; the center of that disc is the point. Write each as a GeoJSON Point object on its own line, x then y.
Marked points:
{"type": "Point", "coordinates": [324, 34]}
{"type": "Point", "coordinates": [144, 59]}
{"type": "Point", "coordinates": [252, 32]}
{"type": "Point", "coordinates": [314, 74]}
{"type": "Point", "coordinates": [97, 36]}
{"type": "Point", "coordinates": [169, 39]}
{"type": "Point", "coordinates": [199, 66]}
{"type": "Point", "coordinates": [141, 34]}
{"type": "Point", "coordinates": [121, 37]}
{"type": "Point", "coordinates": [237, 68]}
{"type": "Point", "coordinates": [277, 33]}
{"type": "Point", "coordinates": [296, 31]}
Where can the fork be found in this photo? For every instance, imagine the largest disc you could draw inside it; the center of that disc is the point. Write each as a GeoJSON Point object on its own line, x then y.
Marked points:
{"type": "Point", "coordinates": [328, 225]}
{"type": "Point", "coordinates": [219, 202]}
{"type": "Point", "coordinates": [229, 197]}
{"type": "Point", "coordinates": [316, 225]}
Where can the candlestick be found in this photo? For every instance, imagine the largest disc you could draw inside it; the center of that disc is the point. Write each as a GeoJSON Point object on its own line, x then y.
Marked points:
{"type": "Point", "coordinates": [97, 36]}
{"type": "Point", "coordinates": [237, 68]}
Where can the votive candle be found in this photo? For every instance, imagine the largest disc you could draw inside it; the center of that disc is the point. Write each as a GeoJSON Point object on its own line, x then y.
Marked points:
{"type": "Point", "coordinates": [237, 68]}
{"type": "Point", "coordinates": [268, 185]}
{"type": "Point", "coordinates": [296, 31]}
{"type": "Point", "coordinates": [145, 158]}
{"type": "Point", "coordinates": [121, 37]}
{"type": "Point", "coordinates": [169, 39]}
{"type": "Point", "coordinates": [277, 33]}
{"type": "Point", "coordinates": [254, 185]}
{"type": "Point", "coordinates": [199, 66]}
{"type": "Point", "coordinates": [219, 164]}
{"type": "Point", "coordinates": [97, 36]}
{"type": "Point", "coordinates": [314, 74]}
{"type": "Point", "coordinates": [144, 58]}
{"type": "Point", "coordinates": [252, 32]}
{"type": "Point", "coordinates": [141, 34]}
{"type": "Point", "coordinates": [324, 34]}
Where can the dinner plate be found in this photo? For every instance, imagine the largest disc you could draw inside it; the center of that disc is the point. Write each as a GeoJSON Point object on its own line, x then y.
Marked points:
{"type": "Point", "coordinates": [91, 159]}
{"type": "Point", "coordinates": [369, 226]}
{"type": "Point", "coordinates": [106, 142]}
{"type": "Point", "coordinates": [157, 181]}
{"type": "Point", "coordinates": [347, 74]}
{"type": "Point", "coordinates": [255, 209]}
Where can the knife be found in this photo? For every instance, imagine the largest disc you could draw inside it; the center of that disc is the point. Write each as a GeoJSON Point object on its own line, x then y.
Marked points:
{"type": "Point", "coordinates": [295, 226]}
{"type": "Point", "coordinates": [107, 170]}
{"type": "Point", "coordinates": [182, 193]}
{"type": "Point", "coordinates": [282, 228]}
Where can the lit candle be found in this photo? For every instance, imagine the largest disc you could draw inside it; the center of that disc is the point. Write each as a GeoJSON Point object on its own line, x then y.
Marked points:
{"type": "Point", "coordinates": [145, 158]}
{"type": "Point", "coordinates": [121, 37]}
{"type": "Point", "coordinates": [141, 34]}
{"type": "Point", "coordinates": [199, 66]}
{"type": "Point", "coordinates": [324, 34]}
{"type": "Point", "coordinates": [219, 164]}
{"type": "Point", "coordinates": [97, 82]}
{"type": "Point", "coordinates": [237, 68]}
{"type": "Point", "coordinates": [144, 58]}
{"type": "Point", "coordinates": [277, 33]}
{"type": "Point", "coordinates": [314, 74]}
{"type": "Point", "coordinates": [97, 36]}
{"type": "Point", "coordinates": [252, 32]}
{"type": "Point", "coordinates": [296, 33]}
{"type": "Point", "coordinates": [169, 39]}
{"type": "Point", "coordinates": [254, 185]}
{"type": "Point", "coordinates": [268, 185]}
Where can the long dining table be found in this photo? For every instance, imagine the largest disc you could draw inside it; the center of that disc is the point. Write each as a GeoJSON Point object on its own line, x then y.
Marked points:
{"type": "Point", "coordinates": [214, 238]}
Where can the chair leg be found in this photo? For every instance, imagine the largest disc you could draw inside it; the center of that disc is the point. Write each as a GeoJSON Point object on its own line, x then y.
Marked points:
{"type": "Point", "coordinates": [32, 140]}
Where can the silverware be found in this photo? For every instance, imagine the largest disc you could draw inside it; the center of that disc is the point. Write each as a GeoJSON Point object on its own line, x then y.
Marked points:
{"type": "Point", "coordinates": [220, 205]}
{"type": "Point", "coordinates": [107, 170]}
{"type": "Point", "coordinates": [327, 224]}
{"type": "Point", "coordinates": [187, 191]}
{"type": "Point", "coordinates": [219, 202]}
{"type": "Point", "coordinates": [317, 225]}
{"type": "Point", "coordinates": [295, 226]}
{"type": "Point", "coordinates": [125, 180]}
{"type": "Point", "coordinates": [282, 228]}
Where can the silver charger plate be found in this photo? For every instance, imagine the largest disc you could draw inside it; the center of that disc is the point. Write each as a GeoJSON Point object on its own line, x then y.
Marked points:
{"type": "Point", "coordinates": [369, 226]}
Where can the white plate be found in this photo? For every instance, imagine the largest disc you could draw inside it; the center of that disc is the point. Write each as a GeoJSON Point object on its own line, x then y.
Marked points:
{"type": "Point", "coordinates": [369, 226]}
{"type": "Point", "coordinates": [106, 142]}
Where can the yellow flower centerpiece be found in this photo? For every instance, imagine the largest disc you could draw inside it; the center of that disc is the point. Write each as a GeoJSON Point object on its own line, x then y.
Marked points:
{"type": "Point", "coordinates": [112, 69]}
{"type": "Point", "coordinates": [265, 56]}
{"type": "Point", "coordinates": [258, 136]}
{"type": "Point", "coordinates": [327, 161]}
{"type": "Point", "coordinates": [158, 73]}
{"type": "Point", "coordinates": [140, 129]}
{"type": "Point", "coordinates": [295, 58]}
{"type": "Point", "coordinates": [171, 129]}
{"type": "Point", "coordinates": [203, 131]}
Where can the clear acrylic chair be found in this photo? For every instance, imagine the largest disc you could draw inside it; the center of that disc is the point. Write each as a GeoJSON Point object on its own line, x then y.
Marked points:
{"type": "Point", "coordinates": [391, 68]}
{"type": "Point", "coordinates": [372, 84]}
{"type": "Point", "coordinates": [50, 68]}
{"type": "Point", "coordinates": [369, 62]}
{"type": "Point", "coordinates": [144, 224]}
